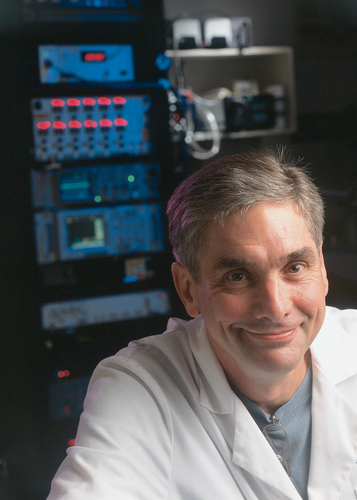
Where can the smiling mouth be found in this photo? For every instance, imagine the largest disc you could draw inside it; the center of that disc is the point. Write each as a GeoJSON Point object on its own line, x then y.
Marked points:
{"type": "Point", "coordinates": [272, 336]}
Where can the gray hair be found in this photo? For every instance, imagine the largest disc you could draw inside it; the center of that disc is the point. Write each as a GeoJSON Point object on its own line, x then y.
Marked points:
{"type": "Point", "coordinates": [231, 185]}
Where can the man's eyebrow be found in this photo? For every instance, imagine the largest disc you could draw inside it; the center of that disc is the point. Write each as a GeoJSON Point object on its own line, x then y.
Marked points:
{"type": "Point", "coordinates": [304, 253]}
{"type": "Point", "coordinates": [229, 263]}
{"type": "Point", "coordinates": [232, 263]}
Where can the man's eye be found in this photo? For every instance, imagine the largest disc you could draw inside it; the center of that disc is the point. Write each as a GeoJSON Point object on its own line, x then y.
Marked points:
{"type": "Point", "coordinates": [296, 268]}
{"type": "Point", "coordinates": [236, 276]}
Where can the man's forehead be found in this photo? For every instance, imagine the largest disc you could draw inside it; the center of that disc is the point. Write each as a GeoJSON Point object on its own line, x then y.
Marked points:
{"type": "Point", "coordinates": [268, 232]}
{"type": "Point", "coordinates": [271, 210]}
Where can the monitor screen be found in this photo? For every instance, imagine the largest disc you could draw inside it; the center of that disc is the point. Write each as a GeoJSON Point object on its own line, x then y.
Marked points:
{"type": "Point", "coordinates": [74, 187]}
{"type": "Point", "coordinates": [86, 231]}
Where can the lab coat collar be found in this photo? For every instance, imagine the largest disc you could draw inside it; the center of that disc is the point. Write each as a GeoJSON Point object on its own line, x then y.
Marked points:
{"type": "Point", "coordinates": [334, 351]}
{"type": "Point", "coordinates": [334, 415]}
{"type": "Point", "coordinates": [215, 392]}
{"type": "Point", "coordinates": [334, 438]}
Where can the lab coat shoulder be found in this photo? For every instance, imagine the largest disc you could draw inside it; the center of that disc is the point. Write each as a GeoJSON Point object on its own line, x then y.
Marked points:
{"type": "Point", "coordinates": [169, 352]}
{"type": "Point", "coordinates": [133, 395]}
{"type": "Point", "coordinates": [112, 453]}
{"type": "Point", "coordinates": [346, 318]}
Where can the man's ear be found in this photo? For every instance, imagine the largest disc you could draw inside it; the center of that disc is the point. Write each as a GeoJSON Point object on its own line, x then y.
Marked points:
{"type": "Point", "coordinates": [186, 289]}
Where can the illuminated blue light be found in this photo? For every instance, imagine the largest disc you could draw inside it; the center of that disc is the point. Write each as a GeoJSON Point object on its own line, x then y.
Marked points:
{"type": "Point", "coordinates": [130, 279]}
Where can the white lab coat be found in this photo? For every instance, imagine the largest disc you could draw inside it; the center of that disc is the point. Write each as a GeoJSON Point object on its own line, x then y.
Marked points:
{"type": "Point", "coordinates": [162, 423]}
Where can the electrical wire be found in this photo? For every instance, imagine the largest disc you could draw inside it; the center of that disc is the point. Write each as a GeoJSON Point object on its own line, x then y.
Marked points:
{"type": "Point", "coordinates": [196, 119]}
{"type": "Point", "coordinates": [208, 118]}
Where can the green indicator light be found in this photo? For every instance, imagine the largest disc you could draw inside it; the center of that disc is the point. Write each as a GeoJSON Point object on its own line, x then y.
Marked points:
{"type": "Point", "coordinates": [97, 199]}
{"type": "Point", "coordinates": [131, 178]}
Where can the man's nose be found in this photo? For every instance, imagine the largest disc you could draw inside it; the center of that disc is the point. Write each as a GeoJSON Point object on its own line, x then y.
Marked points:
{"type": "Point", "coordinates": [272, 300]}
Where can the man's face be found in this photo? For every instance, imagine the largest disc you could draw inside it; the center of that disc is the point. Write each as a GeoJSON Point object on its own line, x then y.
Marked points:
{"type": "Point", "coordinates": [262, 289]}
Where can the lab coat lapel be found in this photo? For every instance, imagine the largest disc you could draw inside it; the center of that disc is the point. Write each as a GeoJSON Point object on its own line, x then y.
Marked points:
{"type": "Point", "coordinates": [334, 411]}
{"type": "Point", "coordinates": [253, 453]}
{"type": "Point", "coordinates": [334, 440]}
{"type": "Point", "coordinates": [214, 391]}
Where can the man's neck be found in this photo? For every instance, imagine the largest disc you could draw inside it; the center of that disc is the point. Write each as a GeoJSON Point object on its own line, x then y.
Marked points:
{"type": "Point", "coordinates": [268, 390]}
{"type": "Point", "coordinates": [271, 394]}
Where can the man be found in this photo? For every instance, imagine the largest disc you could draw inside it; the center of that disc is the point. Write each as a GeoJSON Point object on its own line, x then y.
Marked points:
{"type": "Point", "coordinates": [256, 397]}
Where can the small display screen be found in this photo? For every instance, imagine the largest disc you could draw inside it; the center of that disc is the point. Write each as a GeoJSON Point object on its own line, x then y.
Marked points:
{"type": "Point", "coordinates": [86, 232]}
{"type": "Point", "coordinates": [93, 56]}
{"type": "Point", "coordinates": [74, 187]}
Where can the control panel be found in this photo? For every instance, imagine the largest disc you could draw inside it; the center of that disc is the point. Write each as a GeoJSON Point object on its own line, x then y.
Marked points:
{"type": "Point", "coordinates": [95, 184]}
{"type": "Point", "coordinates": [60, 64]}
{"type": "Point", "coordinates": [72, 314]}
{"type": "Point", "coordinates": [90, 232]}
{"type": "Point", "coordinates": [86, 127]}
